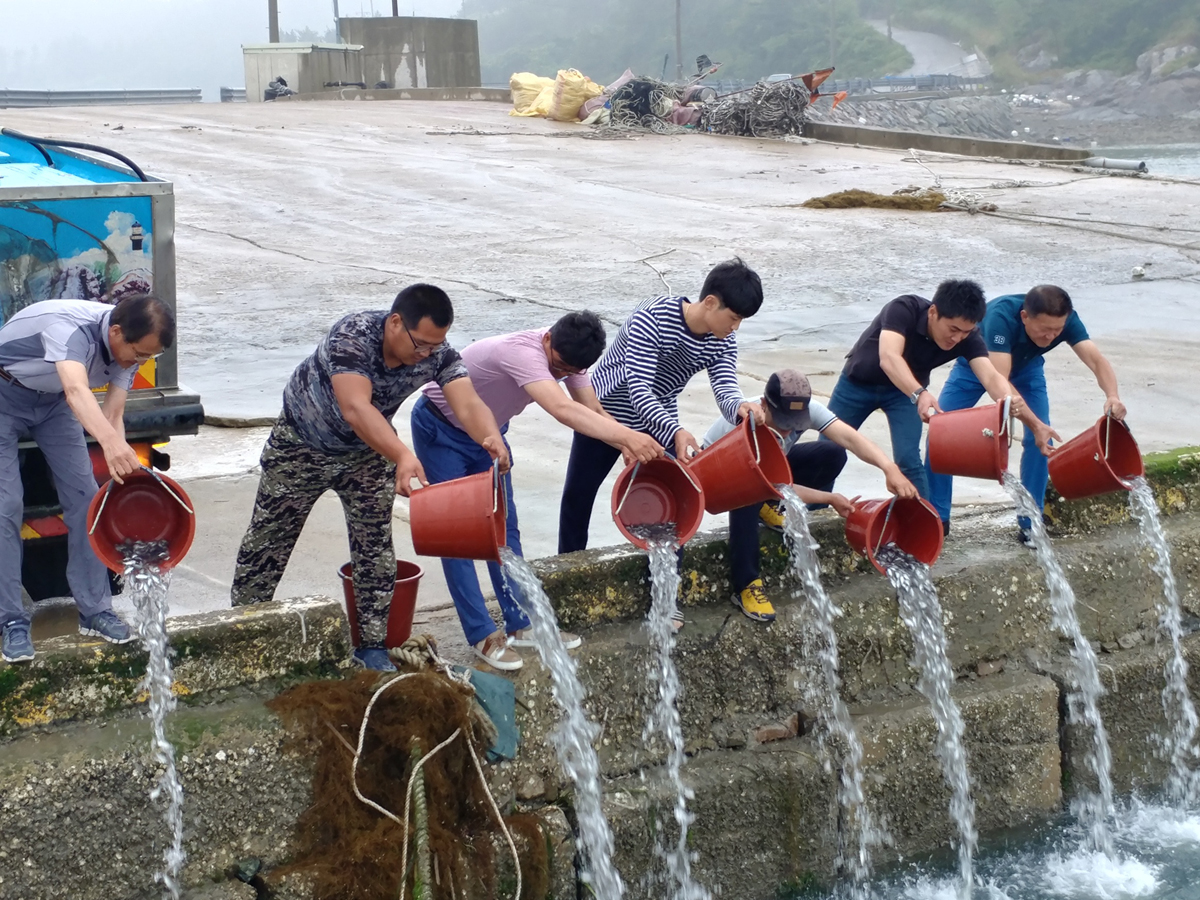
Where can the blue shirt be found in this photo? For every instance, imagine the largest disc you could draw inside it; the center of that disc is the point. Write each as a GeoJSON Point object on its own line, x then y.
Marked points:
{"type": "Point", "coordinates": [1004, 332]}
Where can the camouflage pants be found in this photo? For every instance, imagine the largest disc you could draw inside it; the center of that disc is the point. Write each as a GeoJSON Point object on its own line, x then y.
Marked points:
{"type": "Point", "coordinates": [294, 476]}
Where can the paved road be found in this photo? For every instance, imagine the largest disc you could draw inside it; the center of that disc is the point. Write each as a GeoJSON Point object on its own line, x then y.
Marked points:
{"type": "Point", "coordinates": [932, 54]}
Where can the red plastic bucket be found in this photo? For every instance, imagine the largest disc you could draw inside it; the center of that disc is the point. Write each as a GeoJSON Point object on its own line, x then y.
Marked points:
{"type": "Point", "coordinates": [656, 493]}
{"type": "Point", "coordinates": [149, 506]}
{"type": "Point", "coordinates": [742, 468]}
{"type": "Point", "coordinates": [970, 442]}
{"type": "Point", "coordinates": [1101, 460]}
{"type": "Point", "coordinates": [460, 519]}
{"type": "Point", "coordinates": [404, 602]}
{"type": "Point", "coordinates": [912, 525]}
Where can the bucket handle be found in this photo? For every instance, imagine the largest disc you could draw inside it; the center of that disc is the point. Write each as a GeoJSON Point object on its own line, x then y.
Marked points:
{"type": "Point", "coordinates": [1006, 420]}
{"type": "Point", "coordinates": [157, 477]}
{"type": "Point", "coordinates": [628, 487]}
{"type": "Point", "coordinates": [883, 530]}
{"type": "Point", "coordinates": [684, 469]}
{"type": "Point", "coordinates": [498, 494]}
{"type": "Point", "coordinates": [754, 440]}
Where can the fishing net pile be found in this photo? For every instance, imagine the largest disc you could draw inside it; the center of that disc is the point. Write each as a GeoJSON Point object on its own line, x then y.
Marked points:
{"type": "Point", "coordinates": [353, 852]}
{"type": "Point", "coordinates": [765, 110]}
{"type": "Point", "coordinates": [644, 102]}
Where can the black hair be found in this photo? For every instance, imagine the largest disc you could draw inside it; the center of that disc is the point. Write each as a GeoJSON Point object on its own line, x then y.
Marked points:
{"type": "Point", "coordinates": [140, 315]}
{"type": "Point", "coordinates": [421, 301]}
{"type": "Point", "coordinates": [579, 338]}
{"type": "Point", "coordinates": [1049, 300]}
{"type": "Point", "coordinates": [736, 285]}
{"type": "Point", "coordinates": [960, 299]}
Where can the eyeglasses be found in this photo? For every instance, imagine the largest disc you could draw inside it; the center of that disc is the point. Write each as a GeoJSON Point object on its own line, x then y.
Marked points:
{"type": "Point", "coordinates": [146, 357]}
{"type": "Point", "coordinates": [557, 366]}
{"type": "Point", "coordinates": [421, 346]}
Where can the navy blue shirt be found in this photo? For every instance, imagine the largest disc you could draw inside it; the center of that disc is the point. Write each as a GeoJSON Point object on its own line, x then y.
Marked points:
{"type": "Point", "coordinates": [1004, 332]}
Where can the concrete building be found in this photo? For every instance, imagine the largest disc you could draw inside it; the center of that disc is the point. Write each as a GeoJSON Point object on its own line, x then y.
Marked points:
{"type": "Point", "coordinates": [415, 52]}
{"type": "Point", "coordinates": [307, 68]}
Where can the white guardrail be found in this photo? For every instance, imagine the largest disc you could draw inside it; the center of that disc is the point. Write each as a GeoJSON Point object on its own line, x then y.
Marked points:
{"type": "Point", "coordinates": [16, 99]}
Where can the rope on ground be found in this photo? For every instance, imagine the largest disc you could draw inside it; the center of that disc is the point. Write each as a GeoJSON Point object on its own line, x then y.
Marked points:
{"type": "Point", "coordinates": [403, 823]}
{"type": "Point", "coordinates": [766, 110]}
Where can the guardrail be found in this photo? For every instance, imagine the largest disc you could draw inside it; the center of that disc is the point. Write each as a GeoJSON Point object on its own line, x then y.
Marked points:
{"type": "Point", "coordinates": [233, 95]}
{"type": "Point", "coordinates": [896, 84]}
{"type": "Point", "coordinates": [22, 99]}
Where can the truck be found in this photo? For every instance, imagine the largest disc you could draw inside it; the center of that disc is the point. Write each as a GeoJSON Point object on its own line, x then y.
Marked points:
{"type": "Point", "coordinates": [82, 222]}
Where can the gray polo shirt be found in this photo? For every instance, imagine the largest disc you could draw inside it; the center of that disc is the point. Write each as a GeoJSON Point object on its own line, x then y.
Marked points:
{"type": "Point", "coordinates": [53, 331]}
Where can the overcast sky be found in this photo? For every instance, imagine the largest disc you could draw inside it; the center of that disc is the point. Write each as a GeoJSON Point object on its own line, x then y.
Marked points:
{"type": "Point", "coordinates": [103, 44]}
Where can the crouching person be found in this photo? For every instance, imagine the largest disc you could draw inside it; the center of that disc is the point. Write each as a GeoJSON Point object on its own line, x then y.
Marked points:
{"type": "Point", "coordinates": [790, 410]}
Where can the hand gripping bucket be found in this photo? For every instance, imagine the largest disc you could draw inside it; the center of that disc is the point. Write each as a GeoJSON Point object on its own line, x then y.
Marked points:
{"type": "Point", "coordinates": [460, 519]}
{"type": "Point", "coordinates": [404, 602]}
{"type": "Point", "coordinates": [655, 493]}
{"type": "Point", "coordinates": [971, 442]}
{"type": "Point", "coordinates": [741, 469]}
{"type": "Point", "coordinates": [149, 506]}
{"type": "Point", "coordinates": [1101, 460]}
{"type": "Point", "coordinates": [912, 525]}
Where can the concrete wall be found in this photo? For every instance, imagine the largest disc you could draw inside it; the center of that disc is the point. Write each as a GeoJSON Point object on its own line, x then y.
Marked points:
{"type": "Point", "coordinates": [307, 68]}
{"type": "Point", "coordinates": [939, 143]}
{"type": "Point", "coordinates": [408, 52]}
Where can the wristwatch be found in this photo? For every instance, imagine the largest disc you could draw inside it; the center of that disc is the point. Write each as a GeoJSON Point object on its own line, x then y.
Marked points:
{"type": "Point", "coordinates": [915, 395]}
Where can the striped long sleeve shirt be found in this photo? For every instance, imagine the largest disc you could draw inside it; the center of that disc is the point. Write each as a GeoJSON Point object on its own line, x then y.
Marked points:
{"type": "Point", "coordinates": [652, 358]}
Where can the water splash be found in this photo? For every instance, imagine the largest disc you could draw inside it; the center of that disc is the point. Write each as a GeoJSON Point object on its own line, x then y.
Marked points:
{"type": "Point", "coordinates": [1094, 810]}
{"type": "Point", "coordinates": [574, 737]}
{"type": "Point", "coordinates": [1183, 782]}
{"type": "Point", "coordinates": [825, 696]}
{"type": "Point", "coordinates": [921, 611]}
{"type": "Point", "coordinates": [147, 584]}
{"type": "Point", "coordinates": [664, 721]}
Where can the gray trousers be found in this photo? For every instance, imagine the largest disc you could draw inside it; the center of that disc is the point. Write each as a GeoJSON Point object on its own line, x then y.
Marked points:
{"type": "Point", "coordinates": [48, 419]}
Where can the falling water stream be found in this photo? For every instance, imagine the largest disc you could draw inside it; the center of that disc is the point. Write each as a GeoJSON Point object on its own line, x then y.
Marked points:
{"type": "Point", "coordinates": [825, 696]}
{"type": "Point", "coordinates": [663, 721]}
{"type": "Point", "coordinates": [574, 737]}
{"type": "Point", "coordinates": [921, 611]}
{"type": "Point", "coordinates": [147, 584]}
{"type": "Point", "coordinates": [1180, 748]}
{"type": "Point", "coordinates": [1094, 810]}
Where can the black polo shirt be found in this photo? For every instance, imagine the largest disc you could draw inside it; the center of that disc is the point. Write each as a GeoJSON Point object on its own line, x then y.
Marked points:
{"type": "Point", "coordinates": [907, 315]}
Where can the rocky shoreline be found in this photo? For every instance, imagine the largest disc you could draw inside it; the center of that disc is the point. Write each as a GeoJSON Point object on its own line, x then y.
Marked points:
{"type": "Point", "coordinates": [1157, 104]}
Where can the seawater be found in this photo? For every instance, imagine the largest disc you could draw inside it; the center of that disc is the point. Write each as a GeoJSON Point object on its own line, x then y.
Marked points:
{"type": "Point", "coordinates": [663, 721]}
{"type": "Point", "coordinates": [824, 697]}
{"type": "Point", "coordinates": [575, 735]}
{"type": "Point", "coordinates": [1094, 810]}
{"type": "Point", "coordinates": [1179, 744]}
{"type": "Point", "coordinates": [921, 611]}
{"type": "Point", "coordinates": [147, 584]}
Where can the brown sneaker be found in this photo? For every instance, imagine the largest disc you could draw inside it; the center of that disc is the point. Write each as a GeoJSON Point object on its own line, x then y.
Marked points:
{"type": "Point", "coordinates": [494, 651]}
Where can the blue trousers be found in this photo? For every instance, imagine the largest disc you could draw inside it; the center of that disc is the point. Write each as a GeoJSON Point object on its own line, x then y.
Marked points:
{"type": "Point", "coordinates": [446, 453]}
{"type": "Point", "coordinates": [962, 391]}
{"type": "Point", "coordinates": [48, 419]}
{"type": "Point", "coordinates": [852, 401]}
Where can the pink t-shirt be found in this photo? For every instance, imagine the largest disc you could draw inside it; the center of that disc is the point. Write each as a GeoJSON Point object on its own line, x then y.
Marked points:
{"type": "Point", "coordinates": [500, 367]}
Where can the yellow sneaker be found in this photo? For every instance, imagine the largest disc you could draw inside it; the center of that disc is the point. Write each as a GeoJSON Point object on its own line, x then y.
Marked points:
{"type": "Point", "coordinates": [771, 515]}
{"type": "Point", "coordinates": [753, 602]}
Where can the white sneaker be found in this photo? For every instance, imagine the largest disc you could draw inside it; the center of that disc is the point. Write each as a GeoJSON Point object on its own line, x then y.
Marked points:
{"type": "Point", "coordinates": [524, 638]}
{"type": "Point", "coordinates": [494, 651]}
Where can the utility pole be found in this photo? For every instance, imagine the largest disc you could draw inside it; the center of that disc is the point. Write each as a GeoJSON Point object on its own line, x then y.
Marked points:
{"type": "Point", "coordinates": [679, 41]}
{"type": "Point", "coordinates": [832, 39]}
{"type": "Point", "coordinates": [396, 9]}
{"type": "Point", "coordinates": [273, 21]}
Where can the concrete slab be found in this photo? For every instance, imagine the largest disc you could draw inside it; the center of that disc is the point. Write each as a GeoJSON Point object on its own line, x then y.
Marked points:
{"type": "Point", "coordinates": [290, 215]}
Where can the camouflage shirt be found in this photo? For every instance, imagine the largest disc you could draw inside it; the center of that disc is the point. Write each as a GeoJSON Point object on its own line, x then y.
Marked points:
{"type": "Point", "coordinates": [354, 345]}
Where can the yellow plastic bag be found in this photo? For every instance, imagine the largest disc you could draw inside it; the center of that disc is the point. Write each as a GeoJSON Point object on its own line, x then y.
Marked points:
{"type": "Point", "coordinates": [571, 90]}
{"type": "Point", "coordinates": [527, 89]}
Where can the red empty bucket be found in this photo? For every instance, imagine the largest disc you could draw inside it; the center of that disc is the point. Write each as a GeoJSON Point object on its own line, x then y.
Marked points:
{"type": "Point", "coordinates": [149, 506]}
{"type": "Point", "coordinates": [970, 442]}
{"type": "Point", "coordinates": [1101, 460]}
{"type": "Point", "coordinates": [404, 602]}
{"type": "Point", "coordinates": [460, 519]}
{"type": "Point", "coordinates": [742, 468]}
{"type": "Point", "coordinates": [912, 525]}
{"type": "Point", "coordinates": [657, 493]}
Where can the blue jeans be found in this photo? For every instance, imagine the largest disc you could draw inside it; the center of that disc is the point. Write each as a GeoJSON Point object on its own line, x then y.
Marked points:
{"type": "Point", "coordinates": [852, 401]}
{"type": "Point", "coordinates": [962, 391]}
{"type": "Point", "coordinates": [446, 453]}
{"type": "Point", "coordinates": [48, 419]}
